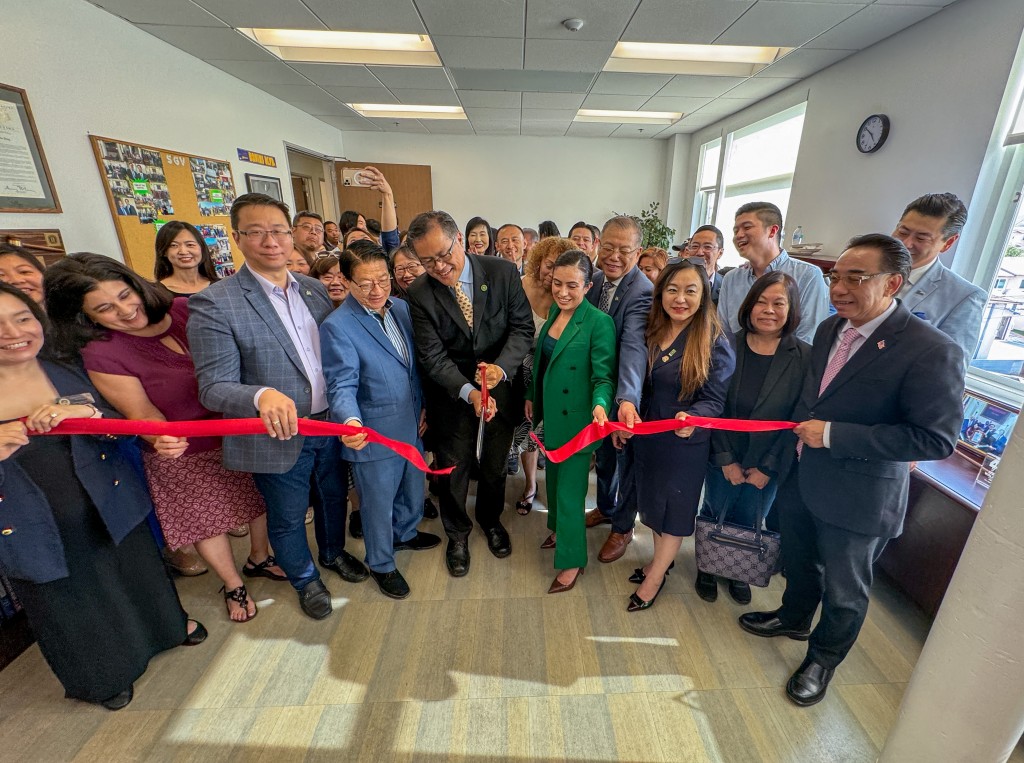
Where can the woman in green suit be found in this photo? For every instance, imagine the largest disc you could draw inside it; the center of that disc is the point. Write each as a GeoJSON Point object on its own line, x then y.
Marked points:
{"type": "Point", "coordinates": [573, 385]}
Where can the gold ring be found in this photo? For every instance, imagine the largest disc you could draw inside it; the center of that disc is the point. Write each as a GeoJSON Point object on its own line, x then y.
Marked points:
{"type": "Point", "coordinates": [276, 423]}
{"type": "Point", "coordinates": [53, 415]}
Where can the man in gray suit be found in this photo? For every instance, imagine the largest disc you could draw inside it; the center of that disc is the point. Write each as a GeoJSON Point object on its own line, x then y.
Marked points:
{"type": "Point", "coordinates": [255, 340]}
{"type": "Point", "coordinates": [930, 226]}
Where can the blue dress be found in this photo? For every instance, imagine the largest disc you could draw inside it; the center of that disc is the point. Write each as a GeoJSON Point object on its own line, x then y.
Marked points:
{"type": "Point", "coordinates": [669, 470]}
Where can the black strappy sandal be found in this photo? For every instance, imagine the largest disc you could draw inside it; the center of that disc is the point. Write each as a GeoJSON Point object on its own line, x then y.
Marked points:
{"type": "Point", "coordinates": [241, 597]}
{"type": "Point", "coordinates": [525, 506]}
{"type": "Point", "coordinates": [262, 570]}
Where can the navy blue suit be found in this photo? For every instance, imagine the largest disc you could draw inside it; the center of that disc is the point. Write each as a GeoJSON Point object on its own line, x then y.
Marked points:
{"type": "Point", "coordinates": [370, 380]}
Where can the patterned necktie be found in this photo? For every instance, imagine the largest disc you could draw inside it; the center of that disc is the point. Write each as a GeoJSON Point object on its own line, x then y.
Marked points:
{"type": "Point", "coordinates": [464, 304]}
{"type": "Point", "coordinates": [833, 368]}
{"type": "Point", "coordinates": [605, 303]}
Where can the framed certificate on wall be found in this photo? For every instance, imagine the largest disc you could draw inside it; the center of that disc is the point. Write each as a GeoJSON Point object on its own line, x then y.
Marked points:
{"type": "Point", "coordinates": [25, 182]}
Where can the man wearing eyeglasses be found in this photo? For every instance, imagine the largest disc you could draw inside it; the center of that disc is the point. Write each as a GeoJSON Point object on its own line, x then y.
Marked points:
{"type": "Point", "coordinates": [308, 234]}
{"type": "Point", "coordinates": [586, 238]}
{"type": "Point", "coordinates": [884, 388]}
{"type": "Point", "coordinates": [624, 292]}
{"type": "Point", "coordinates": [468, 310]}
{"type": "Point", "coordinates": [255, 341]}
{"type": "Point", "coordinates": [707, 243]}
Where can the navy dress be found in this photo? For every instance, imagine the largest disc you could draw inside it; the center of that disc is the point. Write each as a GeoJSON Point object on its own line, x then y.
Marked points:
{"type": "Point", "coordinates": [669, 469]}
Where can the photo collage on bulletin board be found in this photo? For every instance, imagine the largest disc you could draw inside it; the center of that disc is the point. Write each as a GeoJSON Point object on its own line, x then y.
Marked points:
{"type": "Point", "coordinates": [137, 181]}
{"type": "Point", "coordinates": [215, 189]}
{"type": "Point", "coordinates": [216, 237]}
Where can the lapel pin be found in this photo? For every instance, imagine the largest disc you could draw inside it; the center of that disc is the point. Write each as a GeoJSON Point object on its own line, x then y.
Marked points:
{"type": "Point", "coordinates": [483, 287]}
{"type": "Point", "coordinates": [881, 345]}
{"type": "Point", "coordinates": [309, 293]}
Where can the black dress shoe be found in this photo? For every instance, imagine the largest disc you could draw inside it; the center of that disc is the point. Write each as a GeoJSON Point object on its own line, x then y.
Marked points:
{"type": "Point", "coordinates": [119, 701]}
{"type": "Point", "coordinates": [498, 541]}
{"type": "Point", "coordinates": [457, 558]}
{"type": "Point", "coordinates": [739, 591]}
{"type": "Point", "coordinates": [197, 636]}
{"type": "Point", "coordinates": [639, 576]}
{"type": "Point", "coordinates": [706, 586]}
{"type": "Point", "coordinates": [315, 600]}
{"type": "Point", "coordinates": [421, 542]}
{"type": "Point", "coordinates": [346, 565]}
{"type": "Point", "coordinates": [768, 624]}
{"type": "Point", "coordinates": [391, 583]}
{"type": "Point", "coordinates": [807, 686]}
{"type": "Point", "coordinates": [429, 509]}
{"type": "Point", "coordinates": [355, 524]}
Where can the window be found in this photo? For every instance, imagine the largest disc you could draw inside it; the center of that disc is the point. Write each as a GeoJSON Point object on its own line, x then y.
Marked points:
{"type": "Point", "coordinates": [759, 163]}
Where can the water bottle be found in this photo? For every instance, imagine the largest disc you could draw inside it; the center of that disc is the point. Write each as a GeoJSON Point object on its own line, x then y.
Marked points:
{"type": "Point", "coordinates": [798, 235]}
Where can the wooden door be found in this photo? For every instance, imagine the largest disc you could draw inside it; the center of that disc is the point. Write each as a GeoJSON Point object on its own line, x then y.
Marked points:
{"type": "Point", "coordinates": [410, 183]}
{"type": "Point", "coordinates": [302, 201]}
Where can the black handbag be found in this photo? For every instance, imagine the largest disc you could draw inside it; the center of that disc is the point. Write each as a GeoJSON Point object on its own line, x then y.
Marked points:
{"type": "Point", "coordinates": [735, 551]}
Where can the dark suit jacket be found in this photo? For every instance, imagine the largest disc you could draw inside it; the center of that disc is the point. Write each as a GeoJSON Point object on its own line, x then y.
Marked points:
{"type": "Point", "coordinates": [630, 306]}
{"type": "Point", "coordinates": [33, 550]}
{"type": "Point", "coordinates": [897, 399]}
{"type": "Point", "coordinates": [239, 345]}
{"type": "Point", "coordinates": [771, 452]}
{"type": "Point", "coordinates": [448, 351]}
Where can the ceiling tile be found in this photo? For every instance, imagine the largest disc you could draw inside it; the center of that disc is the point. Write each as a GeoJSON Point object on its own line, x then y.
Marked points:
{"type": "Point", "coordinates": [805, 62]}
{"type": "Point", "coordinates": [785, 23]}
{"type": "Point", "coordinates": [675, 103]}
{"type": "Point", "coordinates": [874, 23]}
{"type": "Point", "coordinates": [690, 21]}
{"type": "Point", "coordinates": [494, 99]}
{"type": "Point", "coordinates": [479, 52]}
{"type": "Point", "coordinates": [760, 87]}
{"type": "Point", "coordinates": [400, 125]}
{"type": "Point", "coordinates": [638, 131]}
{"type": "Point", "coordinates": [548, 115]}
{"type": "Point", "coordinates": [621, 83]}
{"type": "Point", "coordinates": [473, 18]}
{"type": "Point", "coordinates": [495, 128]}
{"type": "Point", "coordinates": [544, 19]}
{"type": "Point", "coordinates": [427, 97]}
{"type": "Point", "coordinates": [568, 55]}
{"type": "Point", "coordinates": [261, 72]}
{"type": "Point", "coordinates": [363, 94]}
{"type": "Point", "coordinates": [723, 107]}
{"type": "Point", "coordinates": [601, 101]}
{"type": "Point", "coordinates": [342, 75]}
{"type": "Point", "coordinates": [181, 14]}
{"type": "Point", "coordinates": [448, 126]}
{"type": "Point", "coordinates": [207, 42]}
{"type": "Point", "coordinates": [266, 14]}
{"type": "Point", "coordinates": [397, 16]}
{"type": "Point", "coordinates": [592, 129]}
{"type": "Point", "coordinates": [422, 78]}
{"type": "Point", "coordinates": [544, 129]}
{"type": "Point", "coordinates": [699, 86]}
{"type": "Point", "coordinates": [503, 115]}
{"type": "Point", "coordinates": [350, 123]}
{"type": "Point", "coordinates": [552, 100]}
{"type": "Point", "coordinates": [540, 82]}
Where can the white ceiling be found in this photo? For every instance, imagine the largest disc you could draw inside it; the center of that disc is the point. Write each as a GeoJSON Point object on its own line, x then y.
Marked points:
{"type": "Point", "coordinates": [511, 64]}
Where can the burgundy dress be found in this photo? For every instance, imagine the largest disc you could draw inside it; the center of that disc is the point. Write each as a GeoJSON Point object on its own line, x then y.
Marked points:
{"type": "Point", "coordinates": [194, 495]}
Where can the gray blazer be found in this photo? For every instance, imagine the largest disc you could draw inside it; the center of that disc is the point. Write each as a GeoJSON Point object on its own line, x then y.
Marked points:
{"type": "Point", "coordinates": [951, 304]}
{"type": "Point", "coordinates": [630, 307]}
{"type": "Point", "coordinates": [239, 345]}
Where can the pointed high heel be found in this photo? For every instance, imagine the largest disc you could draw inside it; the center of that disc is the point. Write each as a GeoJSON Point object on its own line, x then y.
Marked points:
{"type": "Point", "coordinates": [549, 542]}
{"type": "Point", "coordinates": [639, 576]}
{"type": "Point", "coordinates": [636, 603]}
{"type": "Point", "coordinates": [557, 587]}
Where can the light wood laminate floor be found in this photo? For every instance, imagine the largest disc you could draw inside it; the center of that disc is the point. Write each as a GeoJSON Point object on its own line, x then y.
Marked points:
{"type": "Point", "coordinates": [483, 668]}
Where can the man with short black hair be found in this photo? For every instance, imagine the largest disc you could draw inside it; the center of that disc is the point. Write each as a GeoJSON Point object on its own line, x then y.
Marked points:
{"type": "Point", "coordinates": [308, 234]}
{"type": "Point", "coordinates": [332, 236]}
{"type": "Point", "coordinates": [511, 244]}
{"type": "Point", "coordinates": [930, 225]}
{"type": "Point", "coordinates": [586, 238]}
{"type": "Point", "coordinates": [757, 235]}
{"type": "Point", "coordinates": [883, 389]}
{"type": "Point", "coordinates": [707, 243]}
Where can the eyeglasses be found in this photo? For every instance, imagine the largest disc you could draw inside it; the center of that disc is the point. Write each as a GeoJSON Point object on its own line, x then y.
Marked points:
{"type": "Point", "coordinates": [384, 284]}
{"type": "Point", "coordinates": [310, 228]}
{"type": "Point", "coordinates": [709, 248]}
{"type": "Point", "coordinates": [413, 267]}
{"type": "Point", "coordinates": [623, 251]}
{"type": "Point", "coordinates": [431, 262]}
{"type": "Point", "coordinates": [852, 281]}
{"type": "Point", "coordinates": [258, 235]}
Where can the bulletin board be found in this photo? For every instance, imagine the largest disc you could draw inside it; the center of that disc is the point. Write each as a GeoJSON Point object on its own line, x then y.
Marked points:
{"type": "Point", "coordinates": [149, 186]}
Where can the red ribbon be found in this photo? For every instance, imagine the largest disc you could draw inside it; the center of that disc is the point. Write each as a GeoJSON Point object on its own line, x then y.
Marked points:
{"type": "Point", "coordinates": [232, 427]}
{"type": "Point", "coordinates": [594, 432]}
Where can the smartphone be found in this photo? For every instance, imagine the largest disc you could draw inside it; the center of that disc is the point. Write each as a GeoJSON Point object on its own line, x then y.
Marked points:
{"type": "Point", "coordinates": [352, 177]}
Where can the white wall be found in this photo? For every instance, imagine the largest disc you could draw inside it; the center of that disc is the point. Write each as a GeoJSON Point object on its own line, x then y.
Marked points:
{"type": "Point", "coordinates": [526, 179]}
{"type": "Point", "coordinates": [87, 71]}
{"type": "Point", "coordinates": [940, 82]}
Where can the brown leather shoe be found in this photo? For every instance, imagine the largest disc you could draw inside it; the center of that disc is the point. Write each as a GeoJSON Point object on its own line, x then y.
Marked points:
{"type": "Point", "coordinates": [185, 562]}
{"type": "Point", "coordinates": [615, 546]}
{"type": "Point", "coordinates": [595, 518]}
{"type": "Point", "coordinates": [558, 587]}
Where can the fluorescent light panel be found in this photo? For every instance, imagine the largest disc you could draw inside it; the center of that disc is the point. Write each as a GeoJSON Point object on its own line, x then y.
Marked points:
{"type": "Point", "coordinates": [628, 117]}
{"type": "Point", "coordinates": [407, 111]}
{"type": "Point", "coordinates": [322, 46]}
{"type": "Point", "coordinates": [715, 60]}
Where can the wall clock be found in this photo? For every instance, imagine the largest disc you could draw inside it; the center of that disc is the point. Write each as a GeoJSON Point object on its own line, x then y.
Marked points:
{"type": "Point", "coordinates": [872, 133]}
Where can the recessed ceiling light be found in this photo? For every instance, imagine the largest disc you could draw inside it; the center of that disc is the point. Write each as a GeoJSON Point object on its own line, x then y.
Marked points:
{"type": "Point", "coordinates": [631, 117]}
{"type": "Point", "coordinates": [322, 46]}
{"type": "Point", "coordinates": [720, 60]}
{"type": "Point", "coordinates": [407, 111]}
